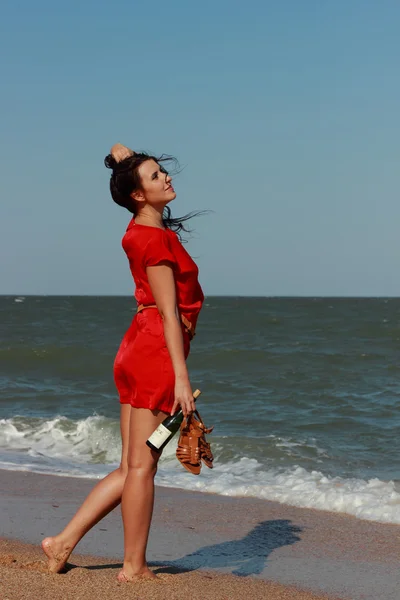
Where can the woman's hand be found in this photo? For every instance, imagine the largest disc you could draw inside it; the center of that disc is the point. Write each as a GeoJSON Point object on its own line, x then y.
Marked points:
{"type": "Point", "coordinates": [120, 152]}
{"type": "Point", "coordinates": [183, 398]}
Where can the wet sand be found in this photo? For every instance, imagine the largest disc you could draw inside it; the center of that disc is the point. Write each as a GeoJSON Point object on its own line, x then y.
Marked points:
{"type": "Point", "coordinates": [201, 546]}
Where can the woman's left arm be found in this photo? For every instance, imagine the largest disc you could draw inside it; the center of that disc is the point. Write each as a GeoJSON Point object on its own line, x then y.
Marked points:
{"type": "Point", "coordinates": [162, 284]}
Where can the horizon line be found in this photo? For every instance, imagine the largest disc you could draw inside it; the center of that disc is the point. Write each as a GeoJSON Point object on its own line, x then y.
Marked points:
{"type": "Point", "coordinates": [266, 296]}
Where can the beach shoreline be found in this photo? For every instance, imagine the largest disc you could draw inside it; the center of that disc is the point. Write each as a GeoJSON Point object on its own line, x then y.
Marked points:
{"type": "Point", "coordinates": [193, 534]}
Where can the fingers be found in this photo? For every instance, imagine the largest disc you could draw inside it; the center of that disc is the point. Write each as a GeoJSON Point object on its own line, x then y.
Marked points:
{"type": "Point", "coordinates": [186, 402]}
{"type": "Point", "coordinates": [120, 156]}
{"type": "Point", "coordinates": [120, 152]}
{"type": "Point", "coordinates": [188, 407]}
{"type": "Point", "coordinates": [184, 409]}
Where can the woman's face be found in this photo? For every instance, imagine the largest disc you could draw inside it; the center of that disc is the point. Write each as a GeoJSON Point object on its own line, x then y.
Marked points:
{"type": "Point", "coordinates": [156, 185]}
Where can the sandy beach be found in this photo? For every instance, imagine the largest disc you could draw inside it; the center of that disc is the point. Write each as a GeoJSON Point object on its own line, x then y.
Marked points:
{"type": "Point", "coordinates": [201, 546]}
{"type": "Point", "coordinates": [24, 577]}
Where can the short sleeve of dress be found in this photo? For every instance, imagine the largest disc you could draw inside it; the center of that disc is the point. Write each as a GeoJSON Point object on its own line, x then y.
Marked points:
{"type": "Point", "coordinates": [158, 250]}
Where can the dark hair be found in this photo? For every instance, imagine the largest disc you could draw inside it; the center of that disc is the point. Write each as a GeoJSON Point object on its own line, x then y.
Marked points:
{"type": "Point", "coordinates": [125, 179]}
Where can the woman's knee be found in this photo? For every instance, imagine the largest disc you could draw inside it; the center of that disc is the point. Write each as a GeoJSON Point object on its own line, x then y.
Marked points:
{"type": "Point", "coordinates": [142, 467]}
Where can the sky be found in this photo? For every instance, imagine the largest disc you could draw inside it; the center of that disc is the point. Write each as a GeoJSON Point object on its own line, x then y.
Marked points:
{"type": "Point", "coordinates": [284, 117]}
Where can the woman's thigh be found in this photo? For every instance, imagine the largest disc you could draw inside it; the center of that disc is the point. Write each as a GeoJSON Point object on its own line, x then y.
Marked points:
{"type": "Point", "coordinates": [143, 422]}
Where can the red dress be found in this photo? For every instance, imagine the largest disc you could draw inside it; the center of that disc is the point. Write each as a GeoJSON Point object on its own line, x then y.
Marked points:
{"type": "Point", "coordinates": [143, 370]}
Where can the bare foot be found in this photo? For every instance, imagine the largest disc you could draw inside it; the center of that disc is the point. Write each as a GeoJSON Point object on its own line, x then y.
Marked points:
{"type": "Point", "coordinates": [57, 553]}
{"type": "Point", "coordinates": [145, 573]}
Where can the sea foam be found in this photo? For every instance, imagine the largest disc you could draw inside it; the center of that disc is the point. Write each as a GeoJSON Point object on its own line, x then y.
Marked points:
{"type": "Point", "coordinates": [91, 448]}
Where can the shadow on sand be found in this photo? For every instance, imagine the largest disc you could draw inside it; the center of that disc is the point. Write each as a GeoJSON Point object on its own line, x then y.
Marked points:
{"type": "Point", "coordinates": [247, 556]}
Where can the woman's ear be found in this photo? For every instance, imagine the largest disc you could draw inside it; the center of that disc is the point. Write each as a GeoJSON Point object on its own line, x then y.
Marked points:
{"type": "Point", "coordinates": [138, 196]}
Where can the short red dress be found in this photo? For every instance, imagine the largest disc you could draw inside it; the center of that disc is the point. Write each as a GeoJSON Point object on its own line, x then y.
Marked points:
{"type": "Point", "coordinates": [143, 371]}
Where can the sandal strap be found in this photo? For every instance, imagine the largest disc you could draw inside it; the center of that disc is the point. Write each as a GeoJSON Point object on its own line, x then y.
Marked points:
{"type": "Point", "coordinates": [188, 449]}
{"type": "Point", "coordinates": [188, 455]}
{"type": "Point", "coordinates": [199, 423]}
{"type": "Point", "coordinates": [206, 449]}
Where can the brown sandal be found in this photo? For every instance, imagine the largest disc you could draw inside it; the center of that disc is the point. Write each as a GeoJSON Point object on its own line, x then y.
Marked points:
{"type": "Point", "coordinates": [206, 454]}
{"type": "Point", "coordinates": [205, 448]}
{"type": "Point", "coordinates": [188, 449]}
{"type": "Point", "coordinates": [192, 446]}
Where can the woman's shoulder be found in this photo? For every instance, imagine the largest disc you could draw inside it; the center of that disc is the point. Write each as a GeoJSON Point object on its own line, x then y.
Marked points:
{"type": "Point", "coordinates": [138, 237]}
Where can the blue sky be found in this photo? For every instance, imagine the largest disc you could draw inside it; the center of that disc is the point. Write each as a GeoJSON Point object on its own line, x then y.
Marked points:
{"type": "Point", "coordinates": [285, 116]}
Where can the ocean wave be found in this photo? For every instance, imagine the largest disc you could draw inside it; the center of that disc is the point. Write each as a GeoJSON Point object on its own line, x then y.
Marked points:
{"type": "Point", "coordinates": [91, 440]}
{"type": "Point", "coordinates": [91, 447]}
{"type": "Point", "coordinates": [372, 499]}
{"type": "Point", "coordinates": [96, 439]}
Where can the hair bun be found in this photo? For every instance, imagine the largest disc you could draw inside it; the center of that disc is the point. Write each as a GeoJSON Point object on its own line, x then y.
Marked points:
{"type": "Point", "coordinates": [110, 162]}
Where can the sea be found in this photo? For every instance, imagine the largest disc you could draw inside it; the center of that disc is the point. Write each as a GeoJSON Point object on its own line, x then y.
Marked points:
{"type": "Point", "coordinates": [303, 393]}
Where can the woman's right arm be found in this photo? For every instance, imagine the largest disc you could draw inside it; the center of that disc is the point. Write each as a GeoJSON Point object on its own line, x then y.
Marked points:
{"type": "Point", "coordinates": [120, 152]}
{"type": "Point", "coordinates": [162, 284]}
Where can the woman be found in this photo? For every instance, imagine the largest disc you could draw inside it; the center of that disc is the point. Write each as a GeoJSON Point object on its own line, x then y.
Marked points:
{"type": "Point", "coordinates": [150, 367]}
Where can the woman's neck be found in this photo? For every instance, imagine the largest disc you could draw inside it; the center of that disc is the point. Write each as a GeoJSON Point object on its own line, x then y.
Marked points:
{"type": "Point", "coordinates": [151, 216]}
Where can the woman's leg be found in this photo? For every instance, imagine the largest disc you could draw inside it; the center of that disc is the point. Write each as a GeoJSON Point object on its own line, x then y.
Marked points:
{"type": "Point", "coordinates": [104, 497]}
{"type": "Point", "coordinates": [138, 494]}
